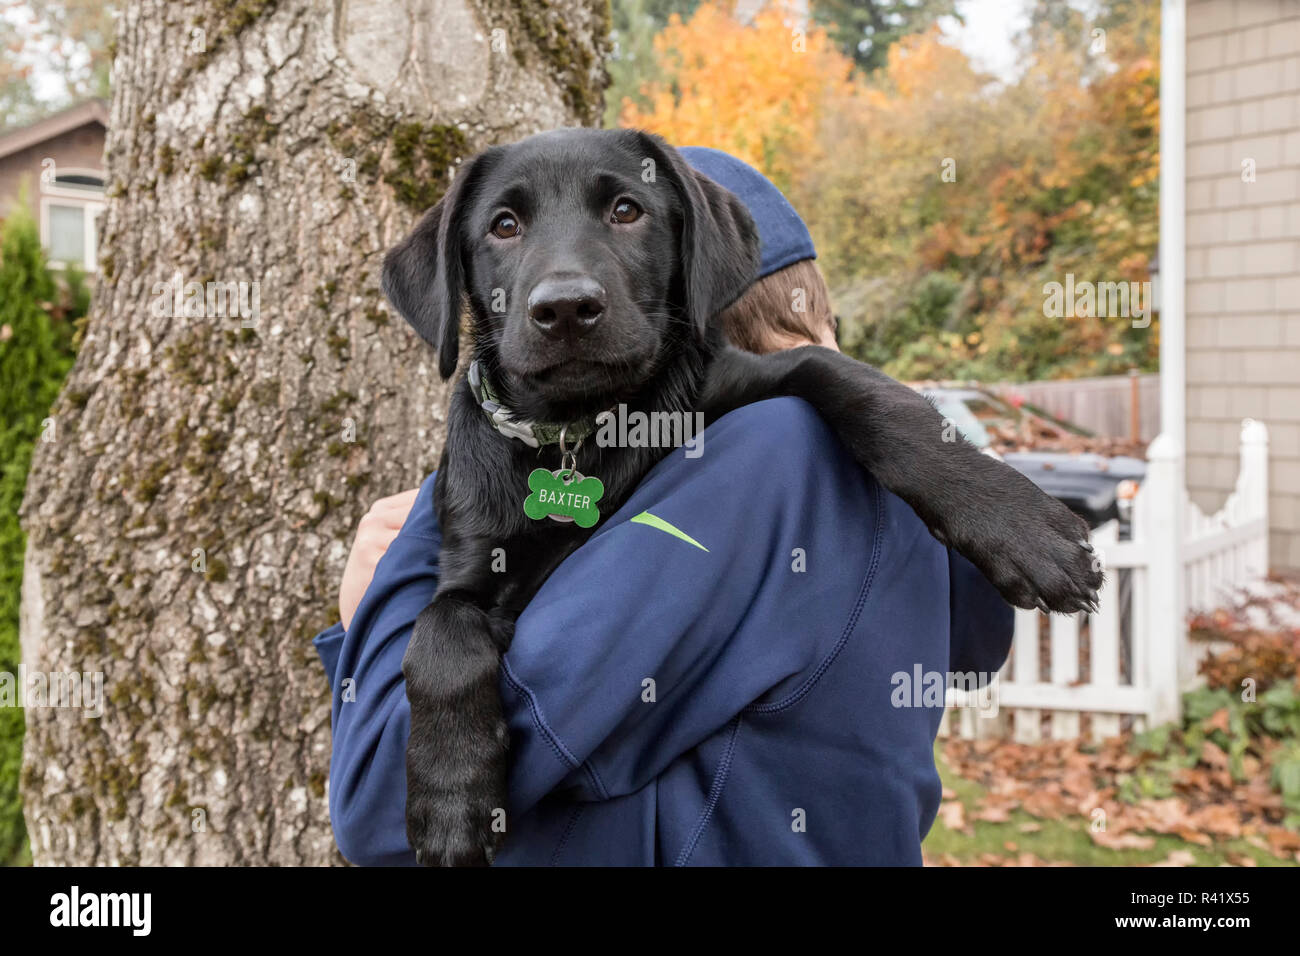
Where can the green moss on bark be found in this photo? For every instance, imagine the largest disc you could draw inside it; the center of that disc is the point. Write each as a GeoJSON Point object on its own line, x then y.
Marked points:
{"type": "Point", "coordinates": [574, 60]}
{"type": "Point", "coordinates": [413, 159]}
{"type": "Point", "coordinates": [422, 157]}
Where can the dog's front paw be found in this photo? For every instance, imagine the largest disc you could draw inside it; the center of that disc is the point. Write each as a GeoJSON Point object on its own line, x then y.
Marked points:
{"type": "Point", "coordinates": [455, 798]}
{"type": "Point", "coordinates": [1036, 552]}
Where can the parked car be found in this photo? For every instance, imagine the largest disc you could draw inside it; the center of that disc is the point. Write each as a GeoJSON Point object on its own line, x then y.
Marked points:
{"type": "Point", "coordinates": [1055, 455]}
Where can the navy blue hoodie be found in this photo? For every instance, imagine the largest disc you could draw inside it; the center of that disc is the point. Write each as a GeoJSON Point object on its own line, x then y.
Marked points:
{"type": "Point", "coordinates": [711, 679]}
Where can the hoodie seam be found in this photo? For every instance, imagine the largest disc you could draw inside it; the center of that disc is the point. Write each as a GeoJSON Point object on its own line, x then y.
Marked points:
{"type": "Point", "coordinates": [568, 832]}
{"type": "Point", "coordinates": [557, 745]}
{"type": "Point", "coordinates": [715, 794]}
{"type": "Point", "coordinates": [863, 593]}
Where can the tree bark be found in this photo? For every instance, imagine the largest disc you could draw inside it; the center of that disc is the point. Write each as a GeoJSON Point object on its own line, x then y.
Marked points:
{"type": "Point", "coordinates": [189, 524]}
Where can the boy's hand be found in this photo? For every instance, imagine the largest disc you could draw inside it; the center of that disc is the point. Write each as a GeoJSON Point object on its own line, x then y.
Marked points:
{"type": "Point", "coordinates": [375, 532]}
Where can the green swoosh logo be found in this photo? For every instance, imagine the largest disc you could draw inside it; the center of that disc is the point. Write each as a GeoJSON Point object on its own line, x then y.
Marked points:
{"type": "Point", "coordinates": [654, 521]}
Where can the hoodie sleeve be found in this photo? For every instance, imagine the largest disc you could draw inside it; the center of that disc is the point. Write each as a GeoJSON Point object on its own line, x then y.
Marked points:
{"type": "Point", "coordinates": [370, 715]}
{"type": "Point", "coordinates": [982, 622]}
{"type": "Point", "coordinates": [636, 650]}
{"type": "Point", "coordinates": [329, 644]}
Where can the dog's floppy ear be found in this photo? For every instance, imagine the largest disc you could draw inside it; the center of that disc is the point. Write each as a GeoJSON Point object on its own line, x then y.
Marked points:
{"type": "Point", "coordinates": [424, 276]}
{"type": "Point", "coordinates": [720, 245]}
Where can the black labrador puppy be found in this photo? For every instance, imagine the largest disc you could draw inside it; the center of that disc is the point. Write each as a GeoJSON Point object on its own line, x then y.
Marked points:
{"type": "Point", "coordinates": [592, 263]}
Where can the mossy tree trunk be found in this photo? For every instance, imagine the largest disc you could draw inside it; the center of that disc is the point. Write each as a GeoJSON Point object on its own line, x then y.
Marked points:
{"type": "Point", "coordinates": [189, 524]}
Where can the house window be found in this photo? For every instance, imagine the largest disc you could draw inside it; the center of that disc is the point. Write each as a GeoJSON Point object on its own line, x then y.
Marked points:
{"type": "Point", "coordinates": [70, 209]}
{"type": "Point", "coordinates": [67, 233]}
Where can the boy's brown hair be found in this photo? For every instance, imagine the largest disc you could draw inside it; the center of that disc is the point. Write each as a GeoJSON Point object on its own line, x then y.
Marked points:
{"type": "Point", "coordinates": [765, 319]}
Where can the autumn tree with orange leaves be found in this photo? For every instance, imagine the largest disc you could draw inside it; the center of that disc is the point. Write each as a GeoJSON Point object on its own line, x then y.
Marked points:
{"type": "Point", "coordinates": [941, 200]}
{"type": "Point", "coordinates": [757, 91]}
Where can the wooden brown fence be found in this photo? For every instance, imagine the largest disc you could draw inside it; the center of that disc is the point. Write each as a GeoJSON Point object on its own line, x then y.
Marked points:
{"type": "Point", "coordinates": [1101, 405]}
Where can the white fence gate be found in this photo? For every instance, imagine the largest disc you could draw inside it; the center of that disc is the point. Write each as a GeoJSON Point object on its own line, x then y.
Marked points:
{"type": "Point", "coordinates": [1177, 560]}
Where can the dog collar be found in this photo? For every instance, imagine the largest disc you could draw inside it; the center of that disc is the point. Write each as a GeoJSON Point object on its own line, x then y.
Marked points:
{"type": "Point", "coordinates": [532, 434]}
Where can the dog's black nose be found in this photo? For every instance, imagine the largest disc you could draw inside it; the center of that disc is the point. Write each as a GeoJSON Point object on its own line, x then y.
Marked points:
{"type": "Point", "coordinates": [566, 306]}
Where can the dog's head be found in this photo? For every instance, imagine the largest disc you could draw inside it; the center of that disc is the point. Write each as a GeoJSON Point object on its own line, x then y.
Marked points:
{"type": "Point", "coordinates": [585, 256]}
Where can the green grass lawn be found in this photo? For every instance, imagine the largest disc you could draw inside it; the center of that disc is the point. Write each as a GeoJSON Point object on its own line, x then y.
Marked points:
{"type": "Point", "coordinates": [1062, 840]}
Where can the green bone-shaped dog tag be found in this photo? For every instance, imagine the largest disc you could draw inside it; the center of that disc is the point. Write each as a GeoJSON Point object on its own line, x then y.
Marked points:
{"type": "Point", "coordinates": [572, 500]}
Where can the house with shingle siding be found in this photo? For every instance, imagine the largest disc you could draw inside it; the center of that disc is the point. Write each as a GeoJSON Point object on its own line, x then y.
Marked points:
{"type": "Point", "coordinates": [1242, 292]}
{"type": "Point", "coordinates": [57, 165]}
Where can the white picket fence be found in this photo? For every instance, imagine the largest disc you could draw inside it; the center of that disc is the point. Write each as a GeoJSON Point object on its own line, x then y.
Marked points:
{"type": "Point", "coordinates": [1138, 657]}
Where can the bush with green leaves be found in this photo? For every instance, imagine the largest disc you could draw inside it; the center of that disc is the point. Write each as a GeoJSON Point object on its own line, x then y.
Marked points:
{"type": "Point", "coordinates": [36, 351]}
{"type": "Point", "coordinates": [1263, 733]}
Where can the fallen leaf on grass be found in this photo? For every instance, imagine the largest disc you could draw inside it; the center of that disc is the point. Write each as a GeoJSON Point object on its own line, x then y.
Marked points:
{"type": "Point", "coordinates": [953, 814]}
{"type": "Point", "coordinates": [1068, 779]}
{"type": "Point", "coordinates": [1217, 721]}
{"type": "Point", "coordinates": [994, 814]}
{"type": "Point", "coordinates": [1178, 858]}
{"type": "Point", "coordinates": [1283, 842]}
{"type": "Point", "coordinates": [1221, 820]}
{"type": "Point", "coordinates": [1121, 841]}
{"type": "Point", "coordinates": [1213, 754]}
{"type": "Point", "coordinates": [1184, 832]}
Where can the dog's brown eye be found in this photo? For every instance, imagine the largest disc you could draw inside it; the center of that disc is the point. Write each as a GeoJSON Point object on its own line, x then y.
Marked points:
{"type": "Point", "coordinates": [625, 210]}
{"type": "Point", "coordinates": [505, 226]}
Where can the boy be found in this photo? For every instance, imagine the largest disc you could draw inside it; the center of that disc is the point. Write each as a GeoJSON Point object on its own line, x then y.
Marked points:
{"type": "Point", "coordinates": [711, 678]}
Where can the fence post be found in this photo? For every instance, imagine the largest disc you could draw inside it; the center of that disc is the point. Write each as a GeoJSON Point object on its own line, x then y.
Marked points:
{"type": "Point", "coordinates": [1161, 510]}
{"type": "Point", "coordinates": [1024, 671]}
{"type": "Point", "coordinates": [1134, 406]}
{"type": "Point", "coordinates": [1254, 491]}
{"type": "Point", "coordinates": [1104, 631]}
